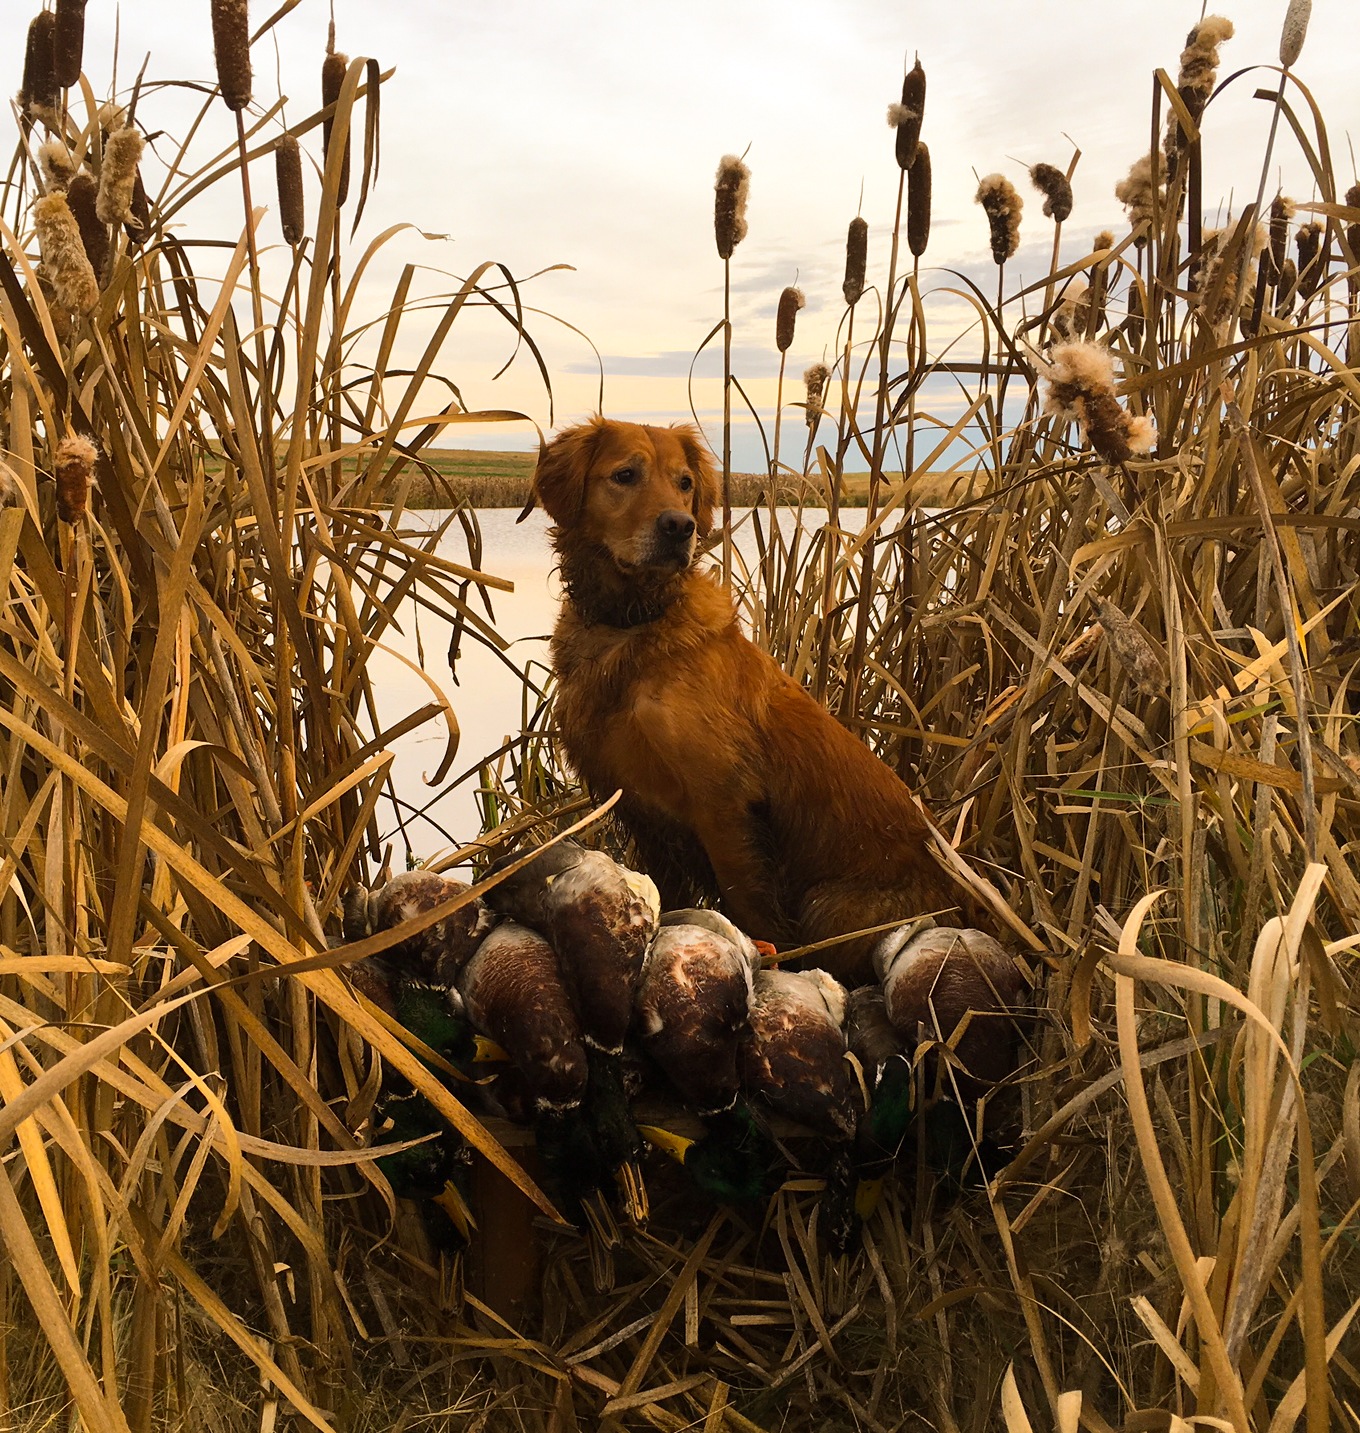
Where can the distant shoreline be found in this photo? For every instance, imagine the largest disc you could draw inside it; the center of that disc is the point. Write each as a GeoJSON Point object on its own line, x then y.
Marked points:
{"type": "Point", "coordinates": [498, 479]}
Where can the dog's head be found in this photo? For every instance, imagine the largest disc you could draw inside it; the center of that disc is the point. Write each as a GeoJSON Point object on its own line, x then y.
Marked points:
{"type": "Point", "coordinates": [643, 494]}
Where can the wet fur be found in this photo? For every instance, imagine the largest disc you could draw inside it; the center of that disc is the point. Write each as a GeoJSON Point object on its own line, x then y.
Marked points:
{"type": "Point", "coordinates": [736, 783]}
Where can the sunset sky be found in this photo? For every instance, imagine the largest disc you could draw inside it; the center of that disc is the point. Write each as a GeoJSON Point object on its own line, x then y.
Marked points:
{"type": "Point", "coordinates": [587, 134]}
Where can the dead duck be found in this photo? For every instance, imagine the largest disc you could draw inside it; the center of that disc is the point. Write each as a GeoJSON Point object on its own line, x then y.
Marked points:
{"type": "Point", "coordinates": [793, 1056]}
{"type": "Point", "coordinates": [692, 1008]}
{"type": "Point", "coordinates": [958, 987]}
{"type": "Point", "coordinates": [438, 952]}
{"type": "Point", "coordinates": [733, 1160]}
{"type": "Point", "coordinates": [599, 917]}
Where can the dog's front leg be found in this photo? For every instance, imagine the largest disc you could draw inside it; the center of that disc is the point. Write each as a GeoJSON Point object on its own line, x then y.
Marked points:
{"type": "Point", "coordinates": [737, 843]}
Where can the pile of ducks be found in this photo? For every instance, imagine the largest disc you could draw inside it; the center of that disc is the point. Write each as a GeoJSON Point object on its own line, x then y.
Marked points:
{"type": "Point", "coordinates": [562, 992]}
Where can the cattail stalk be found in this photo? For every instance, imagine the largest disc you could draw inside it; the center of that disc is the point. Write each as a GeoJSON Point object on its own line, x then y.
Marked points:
{"type": "Point", "coordinates": [856, 260]}
{"type": "Point", "coordinates": [68, 267]}
{"type": "Point", "coordinates": [231, 49]}
{"type": "Point", "coordinates": [118, 176]}
{"type": "Point", "coordinates": [730, 190]}
{"type": "Point", "coordinates": [288, 174]}
{"type": "Point", "coordinates": [68, 42]}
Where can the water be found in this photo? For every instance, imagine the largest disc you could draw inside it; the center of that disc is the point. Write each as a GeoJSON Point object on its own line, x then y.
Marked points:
{"type": "Point", "coordinates": [485, 692]}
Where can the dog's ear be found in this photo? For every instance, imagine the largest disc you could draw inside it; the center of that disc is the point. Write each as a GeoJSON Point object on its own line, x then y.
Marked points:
{"type": "Point", "coordinates": [707, 479]}
{"type": "Point", "coordinates": [560, 478]}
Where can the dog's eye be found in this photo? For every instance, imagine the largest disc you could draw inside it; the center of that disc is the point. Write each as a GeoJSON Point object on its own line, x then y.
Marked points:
{"type": "Point", "coordinates": [686, 482]}
{"type": "Point", "coordinates": [624, 476]}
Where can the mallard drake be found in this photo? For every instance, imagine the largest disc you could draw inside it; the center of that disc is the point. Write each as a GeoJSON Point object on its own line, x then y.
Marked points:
{"type": "Point", "coordinates": [734, 1161]}
{"type": "Point", "coordinates": [599, 917]}
{"type": "Point", "coordinates": [435, 954]}
{"type": "Point", "coordinates": [957, 987]}
{"type": "Point", "coordinates": [793, 1055]}
{"type": "Point", "coordinates": [692, 1009]}
{"type": "Point", "coordinates": [513, 991]}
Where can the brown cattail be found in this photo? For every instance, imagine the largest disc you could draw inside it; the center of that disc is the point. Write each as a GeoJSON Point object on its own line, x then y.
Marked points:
{"type": "Point", "coordinates": [40, 91]}
{"type": "Point", "coordinates": [1139, 195]}
{"type": "Point", "coordinates": [333, 69]}
{"type": "Point", "coordinates": [72, 467]}
{"type": "Point", "coordinates": [729, 206]}
{"type": "Point", "coordinates": [138, 222]}
{"type": "Point", "coordinates": [1130, 647]}
{"type": "Point", "coordinates": [1215, 279]}
{"type": "Point", "coordinates": [906, 117]}
{"type": "Point", "coordinates": [118, 175]}
{"type": "Point", "coordinates": [1053, 184]}
{"type": "Point", "coordinates": [814, 381]}
{"type": "Point", "coordinates": [918, 201]}
{"type": "Point", "coordinates": [68, 42]}
{"type": "Point", "coordinates": [64, 258]}
{"type": "Point", "coordinates": [1002, 205]}
{"type": "Point", "coordinates": [82, 196]}
{"type": "Point", "coordinates": [1197, 77]}
{"type": "Point", "coordinates": [1312, 258]}
{"type": "Point", "coordinates": [1081, 390]}
{"type": "Point", "coordinates": [54, 159]}
{"type": "Point", "coordinates": [1072, 317]}
{"type": "Point", "coordinates": [1293, 30]}
{"type": "Point", "coordinates": [1353, 239]}
{"type": "Point", "coordinates": [10, 493]}
{"type": "Point", "coordinates": [1286, 288]}
{"type": "Point", "coordinates": [231, 49]}
{"type": "Point", "coordinates": [288, 172]}
{"type": "Point", "coordinates": [1281, 212]}
{"type": "Point", "coordinates": [790, 301]}
{"type": "Point", "coordinates": [856, 260]}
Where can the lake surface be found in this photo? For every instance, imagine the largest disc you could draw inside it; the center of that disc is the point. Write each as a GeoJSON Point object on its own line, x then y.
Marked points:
{"type": "Point", "coordinates": [485, 691]}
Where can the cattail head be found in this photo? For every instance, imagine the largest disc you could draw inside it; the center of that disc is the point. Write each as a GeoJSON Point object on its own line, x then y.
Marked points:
{"type": "Point", "coordinates": [1053, 184]}
{"type": "Point", "coordinates": [68, 42]}
{"type": "Point", "coordinates": [1139, 194]}
{"type": "Point", "coordinates": [10, 493]}
{"type": "Point", "coordinates": [906, 117]}
{"type": "Point", "coordinates": [64, 258]}
{"type": "Point", "coordinates": [122, 154]}
{"type": "Point", "coordinates": [815, 381]}
{"type": "Point", "coordinates": [1002, 205]}
{"type": "Point", "coordinates": [856, 260]}
{"type": "Point", "coordinates": [333, 69]}
{"type": "Point", "coordinates": [1198, 75]}
{"type": "Point", "coordinates": [54, 159]}
{"type": "Point", "coordinates": [729, 204]}
{"type": "Point", "coordinates": [288, 172]}
{"type": "Point", "coordinates": [138, 222]}
{"type": "Point", "coordinates": [1286, 288]}
{"type": "Point", "coordinates": [1312, 258]}
{"type": "Point", "coordinates": [72, 466]}
{"type": "Point", "coordinates": [82, 195]}
{"type": "Point", "coordinates": [231, 49]}
{"type": "Point", "coordinates": [1081, 390]}
{"type": "Point", "coordinates": [1281, 212]}
{"type": "Point", "coordinates": [1130, 647]}
{"type": "Point", "coordinates": [1293, 30]}
{"type": "Point", "coordinates": [1103, 240]}
{"type": "Point", "coordinates": [1072, 316]}
{"type": "Point", "coordinates": [1353, 238]}
{"type": "Point", "coordinates": [40, 92]}
{"type": "Point", "coordinates": [918, 201]}
{"type": "Point", "coordinates": [790, 301]}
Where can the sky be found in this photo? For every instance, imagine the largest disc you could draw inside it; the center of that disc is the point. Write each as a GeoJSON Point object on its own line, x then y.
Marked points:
{"type": "Point", "coordinates": [587, 134]}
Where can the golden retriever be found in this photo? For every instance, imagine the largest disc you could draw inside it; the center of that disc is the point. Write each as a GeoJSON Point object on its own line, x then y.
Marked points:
{"type": "Point", "coordinates": [736, 783]}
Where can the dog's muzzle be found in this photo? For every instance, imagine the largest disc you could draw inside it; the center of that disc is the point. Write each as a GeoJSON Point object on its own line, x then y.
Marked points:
{"type": "Point", "coordinates": [673, 536]}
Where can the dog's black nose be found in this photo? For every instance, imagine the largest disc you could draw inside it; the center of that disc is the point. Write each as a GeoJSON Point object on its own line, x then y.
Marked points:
{"type": "Point", "coordinates": [675, 525]}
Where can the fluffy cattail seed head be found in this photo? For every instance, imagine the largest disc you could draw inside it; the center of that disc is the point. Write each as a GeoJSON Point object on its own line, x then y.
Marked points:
{"type": "Point", "coordinates": [64, 258]}
{"type": "Point", "coordinates": [231, 48]}
{"type": "Point", "coordinates": [288, 172]}
{"type": "Point", "coordinates": [54, 159]}
{"type": "Point", "coordinates": [72, 467]}
{"type": "Point", "coordinates": [68, 42]}
{"type": "Point", "coordinates": [122, 154]}
{"type": "Point", "coordinates": [856, 260]}
{"type": "Point", "coordinates": [1139, 195]}
{"type": "Point", "coordinates": [918, 201]}
{"type": "Point", "coordinates": [1293, 30]}
{"type": "Point", "coordinates": [729, 205]}
{"type": "Point", "coordinates": [1198, 75]}
{"type": "Point", "coordinates": [790, 301]}
{"type": "Point", "coordinates": [40, 91]}
{"type": "Point", "coordinates": [1081, 390]}
{"type": "Point", "coordinates": [814, 382]}
{"type": "Point", "coordinates": [82, 195]}
{"type": "Point", "coordinates": [906, 117]}
{"type": "Point", "coordinates": [1053, 184]}
{"type": "Point", "coordinates": [1002, 205]}
{"type": "Point", "coordinates": [1131, 649]}
{"type": "Point", "coordinates": [1104, 240]}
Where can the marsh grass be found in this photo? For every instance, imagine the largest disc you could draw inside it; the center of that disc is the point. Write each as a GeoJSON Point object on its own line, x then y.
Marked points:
{"type": "Point", "coordinates": [1168, 798]}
